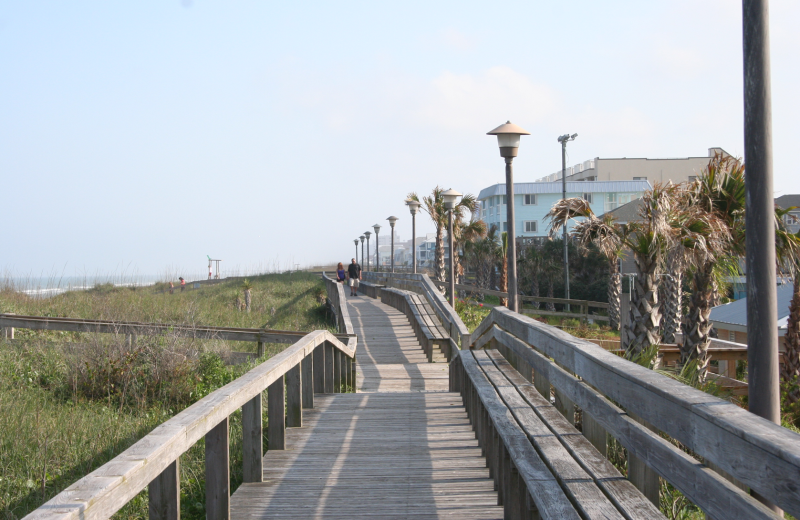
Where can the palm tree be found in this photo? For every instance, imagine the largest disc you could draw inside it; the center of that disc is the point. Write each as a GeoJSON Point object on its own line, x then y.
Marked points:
{"type": "Point", "coordinates": [463, 234]}
{"type": "Point", "coordinates": [673, 295]}
{"type": "Point", "coordinates": [480, 255]}
{"type": "Point", "coordinates": [247, 286]}
{"type": "Point", "coordinates": [502, 256]}
{"type": "Point", "coordinates": [434, 207]}
{"type": "Point", "coordinates": [531, 264]}
{"type": "Point", "coordinates": [648, 239]}
{"type": "Point", "coordinates": [788, 253]}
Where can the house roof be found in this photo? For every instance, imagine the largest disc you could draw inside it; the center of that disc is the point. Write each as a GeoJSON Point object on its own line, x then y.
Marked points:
{"type": "Point", "coordinates": [627, 212]}
{"type": "Point", "coordinates": [735, 313]}
{"type": "Point", "coordinates": [788, 201]}
{"type": "Point", "coordinates": [524, 188]}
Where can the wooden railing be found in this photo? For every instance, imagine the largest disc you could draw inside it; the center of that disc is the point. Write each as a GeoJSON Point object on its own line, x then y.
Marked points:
{"type": "Point", "coordinates": [318, 362]}
{"type": "Point", "coordinates": [584, 305]}
{"type": "Point", "coordinates": [422, 284]}
{"type": "Point", "coordinates": [336, 297]}
{"type": "Point", "coordinates": [705, 447]}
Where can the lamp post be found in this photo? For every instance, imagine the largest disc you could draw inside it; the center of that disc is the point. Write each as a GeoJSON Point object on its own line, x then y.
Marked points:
{"type": "Point", "coordinates": [508, 137]}
{"type": "Point", "coordinates": [356, 243]}
{"type": "Point", "coordinates": [377, 229]}
{"type": "Point", "coordinates": [564, 139]}
{"type": "Point", "coordinates": [367, 234]}
{"type": "Point", "coordinates": [450, 197]}
{"type": "Point", "coordinates": [392, 220]}
{"type": "Point", "coordinates": [413, 206]}
{"type": "Point", "coordinates": [362, 237]}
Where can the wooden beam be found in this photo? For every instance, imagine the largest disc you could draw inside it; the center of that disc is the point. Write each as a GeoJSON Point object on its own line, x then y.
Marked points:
{"type": "Point", "coordinates": [294, 398]}
{"type": "Point", "coordinates": [218, 492]}
{"type": "Point", "coordinates": [307, 369]}
{"type": "Point", "coordinates": [164, 494]}
{"type": "Point", "coordinates": [252, 439]}
{"type": "Point", "coordinates": [276, 413]}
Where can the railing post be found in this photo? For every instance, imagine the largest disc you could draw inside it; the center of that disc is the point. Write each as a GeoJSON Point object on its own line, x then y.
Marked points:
{"type": "Point", "coordinates": [594, 433]}
{"type": "Point", "coordinates": [319, 369]}
{"type": "Point", "coordinates": [276, 414]}
{"type": "Point", "coordinates": [252, 440]}
{"type": "Point", "coordinates": [164, 494]}
{"type": "Point", "coordinates": [260, 350]}
{"type": "Point", "coordinates": [329, 354]}
{"type": "Point", "coordinates": [307, 368]}
{"type": "Point", "coordinates": [294, 404]}
{"type": "Point", "coordinates": [337, 370]}
{"type": "Point", "coordinates": [218, 490]}
{"type": "Point", "coordinates": [641, 475]}
{"type": "Point", "coordinates": [348, 371]}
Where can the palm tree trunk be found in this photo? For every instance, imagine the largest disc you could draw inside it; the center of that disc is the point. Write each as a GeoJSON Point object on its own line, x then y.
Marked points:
{"type": "Point", "coordinates": [790, 369]}
{"type": "Point", "coordinates": [550, 305]}
{"type": "Point", "coordinates": [247, 299]}
{"type": "Point", "coordinates": [441, 274]}
{"type": "Point", "coordinates": [535, 289]}
{"type": "Point", "coordinates": [614, 293]}
{"type": "Point", "coordinates": [696, 337]}
{"type": "Point", "coordinates": [642, 332]}
{"type": "Point", "coordinates": [504, 281]}
{"type": "Point", "coordinates": [673, 296]}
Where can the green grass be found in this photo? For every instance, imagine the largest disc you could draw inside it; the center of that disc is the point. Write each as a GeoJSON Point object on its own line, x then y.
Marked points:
{"type": "Point", "coordinates": [69, 402]}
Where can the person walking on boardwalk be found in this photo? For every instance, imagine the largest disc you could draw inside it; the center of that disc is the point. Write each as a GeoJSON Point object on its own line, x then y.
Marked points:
{"type": "Point", "coordinates": [354, 274]}
{"type": "Point", "coordinates": [183, 283]}
{"type": "Point", "coordinates": [341, 276]}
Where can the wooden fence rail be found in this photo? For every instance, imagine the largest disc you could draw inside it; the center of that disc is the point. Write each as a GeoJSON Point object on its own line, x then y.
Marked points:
{"type": "Point", "coordinates": [643, 410]}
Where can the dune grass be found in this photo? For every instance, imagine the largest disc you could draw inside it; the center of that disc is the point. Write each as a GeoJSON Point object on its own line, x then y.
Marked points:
{"type": "Point", "coordinates": [63, 410]}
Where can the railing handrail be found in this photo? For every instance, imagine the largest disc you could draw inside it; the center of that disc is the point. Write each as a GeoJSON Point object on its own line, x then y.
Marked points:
{"type": "Point", "coordinates": [143, 329]}
{"type": "Point", "coordinates": [335, 292]}
{"type": "Point", "coordinates": [542, 299]}
{"type": "Point", "coordinates": [733, 439]}
{"type": "Point", "coordinates": [107, 489]}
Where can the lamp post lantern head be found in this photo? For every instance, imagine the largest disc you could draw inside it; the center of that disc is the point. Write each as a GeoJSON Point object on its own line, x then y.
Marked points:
{"type": "Point", "coordinates": [367, 234]}
{"type": "Point", "coordinates": [377, 228]}
{"type": "Point", "coordinates": [450, 198]}
{"type": "Point", "coordinates": [413, 206]}
{"type": "Point", "coordinates": [566, 137]}
{"type": "Point", "coordinates": [508, 138]}
{"type": "Point", "coordinates": [362, 237]}
{"type": "Point", "coordinates": [355, 241]}
{"type": "Point", "coordinates": [392, 220]}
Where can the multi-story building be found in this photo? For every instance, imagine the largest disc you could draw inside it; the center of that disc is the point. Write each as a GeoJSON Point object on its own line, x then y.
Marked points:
{"type": "Point", "coordinates": [677, 170]}
{"type": "Point", "coordinates": [535, 199]}
{"type": "Point", "coordinates": [792, 218]}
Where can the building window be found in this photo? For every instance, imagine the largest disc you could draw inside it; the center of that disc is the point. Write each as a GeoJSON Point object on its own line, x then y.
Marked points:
{"type": "Point", "coordinates": [529, 200]}
{"type": "Point", "coordinates": [505, 200]}
{"type": "Point", "coordinates": [505, 226]}
{"type": "Point", "coordinates": [587, 197]}
{"type": "Point", "coordinates": [531, 226]}
{"type": "Point", "coordinates": [692, 178]}
{"type": "Point", "coordinates": [732, 335]}
{"type": "Point", "coordinates": [640, 178]}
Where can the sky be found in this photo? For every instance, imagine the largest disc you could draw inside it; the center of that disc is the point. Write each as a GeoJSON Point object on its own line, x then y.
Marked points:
{"type": "Point", "coordinates": [142, 136]}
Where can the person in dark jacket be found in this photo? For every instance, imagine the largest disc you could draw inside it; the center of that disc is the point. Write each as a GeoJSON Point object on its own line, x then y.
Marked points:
{"type": "Point", "coordinates": [354, 275]}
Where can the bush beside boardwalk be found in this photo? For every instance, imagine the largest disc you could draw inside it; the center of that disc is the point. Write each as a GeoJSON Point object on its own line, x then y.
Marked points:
{"type": "Point", "coordinates": [69, 402]}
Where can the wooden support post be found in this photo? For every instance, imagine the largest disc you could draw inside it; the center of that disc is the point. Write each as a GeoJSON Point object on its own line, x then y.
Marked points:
{"type": "Point", "coordinates": [276, 414]}
{"type": "Point", "coordinates": [640, 474]}
{"type": "Point", "coordinates": [337, 371]}
{"type": "Point", "coordinates": [564, 405]}
{"type": "Point", "coordinates": [513, 505]}
{"type": "Point", "coordinates": [307, 368]}
{"type": "Point", "coordinates": [329, 349]}
{"type": "Point", "coordinates": [294, 398]}
{"type": "Point", "coordinates": [252, 440]}
{"type": "Point", "coordinates": [260, 350]}
{"type": "Point", "coordinates": [542, 385]}
{"type": "Point", "coordinates": [218, 489]}
{"type": "Point", "coordinates": [354, 374]}
{"type": "Point", "coordinates": [164, 494]}
{"type": "Point", "coordinates": [595, 433]}
{"type": "Point", "coordinates": [319, 369]}
{"type": "Point", "coordinates": [348, 372]}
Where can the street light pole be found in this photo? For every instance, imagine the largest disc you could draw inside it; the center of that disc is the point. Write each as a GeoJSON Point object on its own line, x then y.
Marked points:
{"type": "Point", "coordinates": [563, 140]}
{"type": "Point", "coordinates": [508, 137]}
{"type": "Point", "coordinates": [356, 243]}
{"type": "Point", "coordinates": [392, 220]}
{"type": "Point", "coordinates": [377, 229]}
{"type": "Point", "coordinates": [362, 237]}
{"type": "Point", "coordinates": [413, 206]}
{"type": "Point", "coordinates": [450, 197]}
{"type": "Point", "coordinates": [762, 334]}
{"type": "Point", "coordinates": [367, 234]}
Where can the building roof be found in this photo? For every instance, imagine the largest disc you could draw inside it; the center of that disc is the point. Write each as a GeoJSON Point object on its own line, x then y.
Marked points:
{"type": "Point", "coordinates": [735, 313]}
{"type": "Point", "coordinates": [524, 188]}
{"type": "Point", "coordinates": [787, 201]}
{"type": "Point", "coordinates": [627, 212]}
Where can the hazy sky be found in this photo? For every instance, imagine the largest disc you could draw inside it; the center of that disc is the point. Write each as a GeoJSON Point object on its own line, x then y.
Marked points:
{"type": "Point", "coordinates": [141, 135]}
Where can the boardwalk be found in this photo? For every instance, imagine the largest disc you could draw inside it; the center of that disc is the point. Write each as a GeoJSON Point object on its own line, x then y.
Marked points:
{"type": "Point", "coordinates": [400, 448]}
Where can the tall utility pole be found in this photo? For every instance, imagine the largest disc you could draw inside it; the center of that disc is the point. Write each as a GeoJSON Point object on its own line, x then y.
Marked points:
{"type": "Point", "coordinates": [762, 306]}
{"type": "Point", "coordinates": [563, 140]}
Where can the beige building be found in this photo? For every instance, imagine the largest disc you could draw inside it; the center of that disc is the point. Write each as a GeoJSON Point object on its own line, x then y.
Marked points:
{"type": "Point", "coordinates": [677, 170]}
